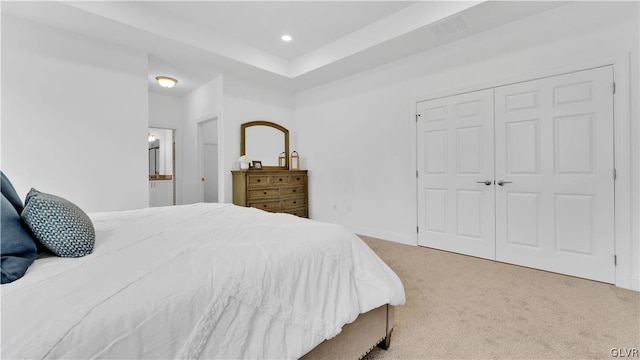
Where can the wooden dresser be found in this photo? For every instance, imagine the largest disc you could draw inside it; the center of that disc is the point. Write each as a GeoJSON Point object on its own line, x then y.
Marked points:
{"type": "Point", "coordinates": [272, 190]}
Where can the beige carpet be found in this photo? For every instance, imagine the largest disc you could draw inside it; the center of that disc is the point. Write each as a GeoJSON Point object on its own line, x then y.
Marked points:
{"type": "Point", "coordinates": [461, 307]}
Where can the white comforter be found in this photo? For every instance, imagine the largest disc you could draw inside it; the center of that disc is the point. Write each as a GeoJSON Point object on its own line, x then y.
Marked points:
{"type": "Point", "coordinates": [196, 281]}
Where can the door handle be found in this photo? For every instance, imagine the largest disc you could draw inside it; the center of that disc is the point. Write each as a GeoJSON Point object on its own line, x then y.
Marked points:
{"type": "Point", "coordinates": [501, 182]}
{"type": "Point", "coordinates": [486, 182]}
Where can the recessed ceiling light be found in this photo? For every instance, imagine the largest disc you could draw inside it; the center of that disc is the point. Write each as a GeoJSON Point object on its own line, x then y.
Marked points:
{"type": "Point", "coordinates": [286, 38]}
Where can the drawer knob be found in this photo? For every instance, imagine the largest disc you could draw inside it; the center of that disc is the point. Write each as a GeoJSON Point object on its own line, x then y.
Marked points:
{"type": "Point", "coordinates": [295, 202]}
{"type": "Point", "coordinates": [264, 205]}
{"type": "Point", "coordinates": [258, 180]}
{"type": "Point", "coordinates": [297, 178]}
{"type": "Point", "coordinates": [280, 179]}
{"type": "Point", "coordinates": [294, 190]}
{"type": "Point", "coordinates": [264, 192]}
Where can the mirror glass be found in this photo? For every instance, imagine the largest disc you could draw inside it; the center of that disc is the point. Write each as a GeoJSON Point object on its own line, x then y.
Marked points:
{"type": "Point", "coordinates": [154, 157]}
{"type": "Point", "coordinates": [160, 151]}
{"type": "Point", "coordinates": [266, 142]}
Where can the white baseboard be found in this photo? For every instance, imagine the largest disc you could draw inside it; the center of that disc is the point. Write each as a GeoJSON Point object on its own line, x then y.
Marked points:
{"type": "Point", "coordinates": [635, 283]}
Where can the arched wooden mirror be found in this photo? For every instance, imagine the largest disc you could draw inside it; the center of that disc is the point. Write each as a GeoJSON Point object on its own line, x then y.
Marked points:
{"type": "Point", "coordinates": [265, 141]}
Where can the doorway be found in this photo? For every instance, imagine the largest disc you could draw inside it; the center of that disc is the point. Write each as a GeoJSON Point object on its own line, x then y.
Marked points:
{"type": "Point", "coordinates": [522, 173]}
{"type": "Point", "coordinates": [208, 154]}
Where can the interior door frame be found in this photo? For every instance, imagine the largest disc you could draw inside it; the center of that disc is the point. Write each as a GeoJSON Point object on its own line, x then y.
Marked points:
{"type": "Point", "coordinates": [199, 123]}
{"type": "Point", "coordinates": [624, 247]}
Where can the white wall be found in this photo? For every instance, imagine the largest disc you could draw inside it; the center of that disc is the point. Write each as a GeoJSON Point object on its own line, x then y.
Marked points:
{"type": "Point", "coordinates": [358, 133]}
{"type": "Point", "coordinates": [201, 104]}
{"type": "Point", "coordinates": [74, 117]}
{"type": "Point", "coordinates": [245, 102]}
{"type": "Point", "coordinates": [165, 111]}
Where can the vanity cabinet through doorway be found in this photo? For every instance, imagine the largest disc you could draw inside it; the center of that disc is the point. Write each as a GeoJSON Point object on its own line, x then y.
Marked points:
{"type": "Point", "coordinates": [160, 193]}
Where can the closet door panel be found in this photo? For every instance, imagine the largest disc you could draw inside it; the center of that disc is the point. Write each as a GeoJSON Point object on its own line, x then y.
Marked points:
{"type": "Point", "coordinates": [554, 155]}
{"type": "Point", "coordinates": [455, 158]}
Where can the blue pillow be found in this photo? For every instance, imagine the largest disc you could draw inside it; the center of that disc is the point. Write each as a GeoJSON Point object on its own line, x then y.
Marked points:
{"type": "Point", "coordinates": [17, 247]}
{"type": "Point", "coordinates": [10, 193]}
{"type": "Point", "coordinates": [58, 224]}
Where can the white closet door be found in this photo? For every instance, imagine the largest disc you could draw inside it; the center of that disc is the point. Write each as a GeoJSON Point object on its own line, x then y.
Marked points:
{"type": "Point", "coordinates": [554, 151]}
{"type": "Point", "coordinates": [455, 157]}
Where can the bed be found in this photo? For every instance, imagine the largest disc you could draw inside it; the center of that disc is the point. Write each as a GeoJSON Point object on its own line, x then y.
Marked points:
{"type": "Point", "coordinates": [204, 281]}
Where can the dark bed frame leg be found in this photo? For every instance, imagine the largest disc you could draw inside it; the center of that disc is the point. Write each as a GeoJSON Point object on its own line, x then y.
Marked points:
{"type": "Point", "coordinates": [386, 342]}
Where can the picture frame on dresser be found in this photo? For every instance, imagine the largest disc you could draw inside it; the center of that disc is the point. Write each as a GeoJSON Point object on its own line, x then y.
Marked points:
{"type": "Point", "coordinates": [257, 165]}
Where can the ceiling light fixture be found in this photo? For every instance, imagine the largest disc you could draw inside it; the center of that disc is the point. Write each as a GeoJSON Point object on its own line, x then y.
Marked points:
{"type": "Point", "coordinates": [166, 81]}
{"type": "Point", "coordinates": [286, 38]}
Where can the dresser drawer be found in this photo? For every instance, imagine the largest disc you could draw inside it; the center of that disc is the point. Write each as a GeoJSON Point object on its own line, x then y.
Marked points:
{"type": "Point", "coordinates": [292, 191]}
{"type": "Point", "coordinates": [294, 202]}
{"type": "Point", "coordinates": [258, 180]}
{"type": "Point", "coordinates": [301, 212]}
{"type": "Point", "coordinates": [280, 180]}
{"type": "Point", "coordinates": [256, 194]}
{"type": "Point", "coordinates": [298, 179]}
{"type": "Point", "coordinates": [272, 205]}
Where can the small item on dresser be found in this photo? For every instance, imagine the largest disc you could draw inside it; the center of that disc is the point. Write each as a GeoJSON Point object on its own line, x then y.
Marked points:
{"type": "Point", "coordinates": [295, 161]}
{"type": "Point", "coordinates": [282, 160]}
{"type": "Point", "coordinates": [244, 162]}
{"type": "Point", "coordinates": [257, 165]}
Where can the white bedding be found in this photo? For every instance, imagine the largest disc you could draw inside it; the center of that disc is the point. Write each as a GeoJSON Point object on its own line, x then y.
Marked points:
{"type": "Point", "coordinates": [196, 281]}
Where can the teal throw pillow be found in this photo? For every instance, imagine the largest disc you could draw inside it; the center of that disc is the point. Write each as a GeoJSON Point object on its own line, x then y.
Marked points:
{"type": "Point", "coordinates": [61, 226]}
